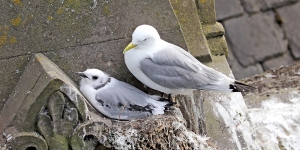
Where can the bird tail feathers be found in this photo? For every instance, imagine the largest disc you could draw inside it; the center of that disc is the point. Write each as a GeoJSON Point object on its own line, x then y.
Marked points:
{"type": "Point", "coordinates": [161, 105]}
{"type": "Point", "coordinates": [241, 87]}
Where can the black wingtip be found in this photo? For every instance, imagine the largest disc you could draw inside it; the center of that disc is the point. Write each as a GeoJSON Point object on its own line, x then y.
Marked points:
{"type": "Point", "coordinates": [241, 87]}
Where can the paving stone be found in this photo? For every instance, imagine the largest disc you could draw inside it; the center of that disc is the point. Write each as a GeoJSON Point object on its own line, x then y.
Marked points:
{"type": "Point", "coordinates": [228, 8]}
{"type": "Point", "coordinates": [241, 72]}
{"type": "Point", "coordinates": [277, 62]}
{"type": "Point", "coordinates": [254, 38]}
{"type": "Point", "coordinates": [290, 24]}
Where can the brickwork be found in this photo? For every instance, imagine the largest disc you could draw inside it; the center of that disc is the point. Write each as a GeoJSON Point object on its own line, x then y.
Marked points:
{"type": "Point", "coordinates": [261, 34]}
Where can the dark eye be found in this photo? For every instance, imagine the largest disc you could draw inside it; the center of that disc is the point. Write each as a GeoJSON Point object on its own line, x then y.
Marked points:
{"type": "Point", "coordinates": [144, 39]}
{"type": "Point", "coordinates": [95, 77]}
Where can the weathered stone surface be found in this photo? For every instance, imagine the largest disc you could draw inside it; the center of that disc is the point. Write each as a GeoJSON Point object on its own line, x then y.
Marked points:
{"type": "Point", "coordinates": [207, 13]}
{"type": "Point", "coordinates": [10, 72]}
{"type": "Point", "coordinates": [251, 6]}
{"type": "Point", "coordinates": [228, 8]}
{"type": "Point", "coordinates": [290, 24]}
{"type": "Point", "coordinates": [254, 38]}
{"type": "Point", "coordinates": [52, 25]}
{"type": "Point", "coordinates": [277, 62]}
{"type": "Point", "coordinates": [186, 13]}
{"type": "Point", "coordinates": [267, 4]}
{"type": "Point", "coordinates": [241, 72]}
{"type": "Point", "coordinates": [46, 98]}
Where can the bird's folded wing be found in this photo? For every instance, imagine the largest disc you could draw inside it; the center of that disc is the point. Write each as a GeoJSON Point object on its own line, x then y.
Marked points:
{"type": "Point", "coordinates": [173, 68]}
{"type": "Point", "coordinates": [123, 97]}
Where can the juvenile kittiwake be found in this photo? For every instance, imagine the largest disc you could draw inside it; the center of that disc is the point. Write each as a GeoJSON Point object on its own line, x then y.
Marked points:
{"type": "Point", "coordinates": [170, 69]}
{"type": "Point", "coordinates": [119, 100]}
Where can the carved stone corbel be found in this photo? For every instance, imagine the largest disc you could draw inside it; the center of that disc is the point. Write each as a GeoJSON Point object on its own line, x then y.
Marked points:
{"type": "Point", "coordinates": [45, 110]}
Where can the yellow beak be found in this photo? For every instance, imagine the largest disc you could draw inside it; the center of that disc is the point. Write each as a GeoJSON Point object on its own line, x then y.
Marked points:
{"type": "Point", "coordinates": [128, 47]}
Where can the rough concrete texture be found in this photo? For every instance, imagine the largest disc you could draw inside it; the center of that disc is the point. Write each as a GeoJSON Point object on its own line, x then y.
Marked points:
{"type": "Point", "coordinates": [254, 38]}
{"type": "Point", "coordinates": [290, 24]}
{"type": "Point", "coordinates": [79, 34]}
{"type": "Point", "coordinates": [228, 8]}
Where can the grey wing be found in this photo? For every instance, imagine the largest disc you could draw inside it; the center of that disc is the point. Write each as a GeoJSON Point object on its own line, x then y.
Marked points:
{"type": "Point", "coordinates": [175, 69]}
{"type": "Point", "coordinates": [124, 102]}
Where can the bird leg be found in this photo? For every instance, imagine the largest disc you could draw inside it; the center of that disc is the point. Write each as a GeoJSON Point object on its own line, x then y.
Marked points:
{"type": "Point", "coordinates": [170, 97]}
{"type": "Point", "coordinates": [162, 94]}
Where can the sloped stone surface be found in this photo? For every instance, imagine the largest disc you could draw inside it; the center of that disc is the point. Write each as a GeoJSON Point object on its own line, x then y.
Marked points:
{"type": "Point", "coordinates": [10, 72]}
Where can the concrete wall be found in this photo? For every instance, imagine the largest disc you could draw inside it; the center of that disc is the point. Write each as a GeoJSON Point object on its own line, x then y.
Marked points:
{"type": "Point", "coordinates": [261, 34]}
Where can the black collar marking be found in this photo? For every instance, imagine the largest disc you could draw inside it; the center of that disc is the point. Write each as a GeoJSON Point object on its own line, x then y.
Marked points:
{"type": "Point", "coordinates": [102, 85]}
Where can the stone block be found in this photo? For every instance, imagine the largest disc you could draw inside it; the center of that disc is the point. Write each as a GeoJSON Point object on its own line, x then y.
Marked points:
{"type": "Point", "coordinates": [290, 24]}
{"type": "Point", "coordinates": [187, 16]}
{"type": "Point", "coordinates": [241, 72]}
{"type": "Point", "coordinates": [251, 6]}
{"type": "Point", "coordinates": [255, 38]}
{"type": "Point", "coordinates": [269, 4]}
{"type": "Point", "coordinates": [277, 62]}
{"type": "Point", "coordinates": [228, 8]}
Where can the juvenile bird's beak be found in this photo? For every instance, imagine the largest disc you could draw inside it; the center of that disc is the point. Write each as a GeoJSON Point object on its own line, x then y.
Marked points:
{"type": "Point", "coordinates": [129, 46]}
{"type": "Point", "coordinates": [81, 74]}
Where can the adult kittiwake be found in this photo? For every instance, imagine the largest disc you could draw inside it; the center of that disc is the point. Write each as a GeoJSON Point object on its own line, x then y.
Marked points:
{"type": "Point", "coordinates": [119, 100]}
{"type": "Point", "coordinates": [170, 69]}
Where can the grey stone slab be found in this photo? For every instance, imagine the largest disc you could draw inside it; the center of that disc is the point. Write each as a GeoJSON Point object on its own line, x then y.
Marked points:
{"type": "Point", "coordinates": [10, 72]}
{"type": "Point", "coordinates": [268, 4]}
{"type": "Point", "coordinates": [251, 6]}
{"type": "Point", "coordinates": [241, 72]}
{"type": "Point", "coordinates": [277, 62]}
{"type": "Point", "coordinates": [40, 26]}
{"type": "Point", "coordinates": [228, 8]}
{"type": "Point", "coordinates": [254, 38]}
{"type": "Point", "coordinates": [290, 23]}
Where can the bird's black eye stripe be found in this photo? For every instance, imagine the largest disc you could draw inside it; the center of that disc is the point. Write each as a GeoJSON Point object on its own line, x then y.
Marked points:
{"type": "Point", "coordinates": [95, 77]}
{"type": "Point", "coordinates": [144, 39]}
